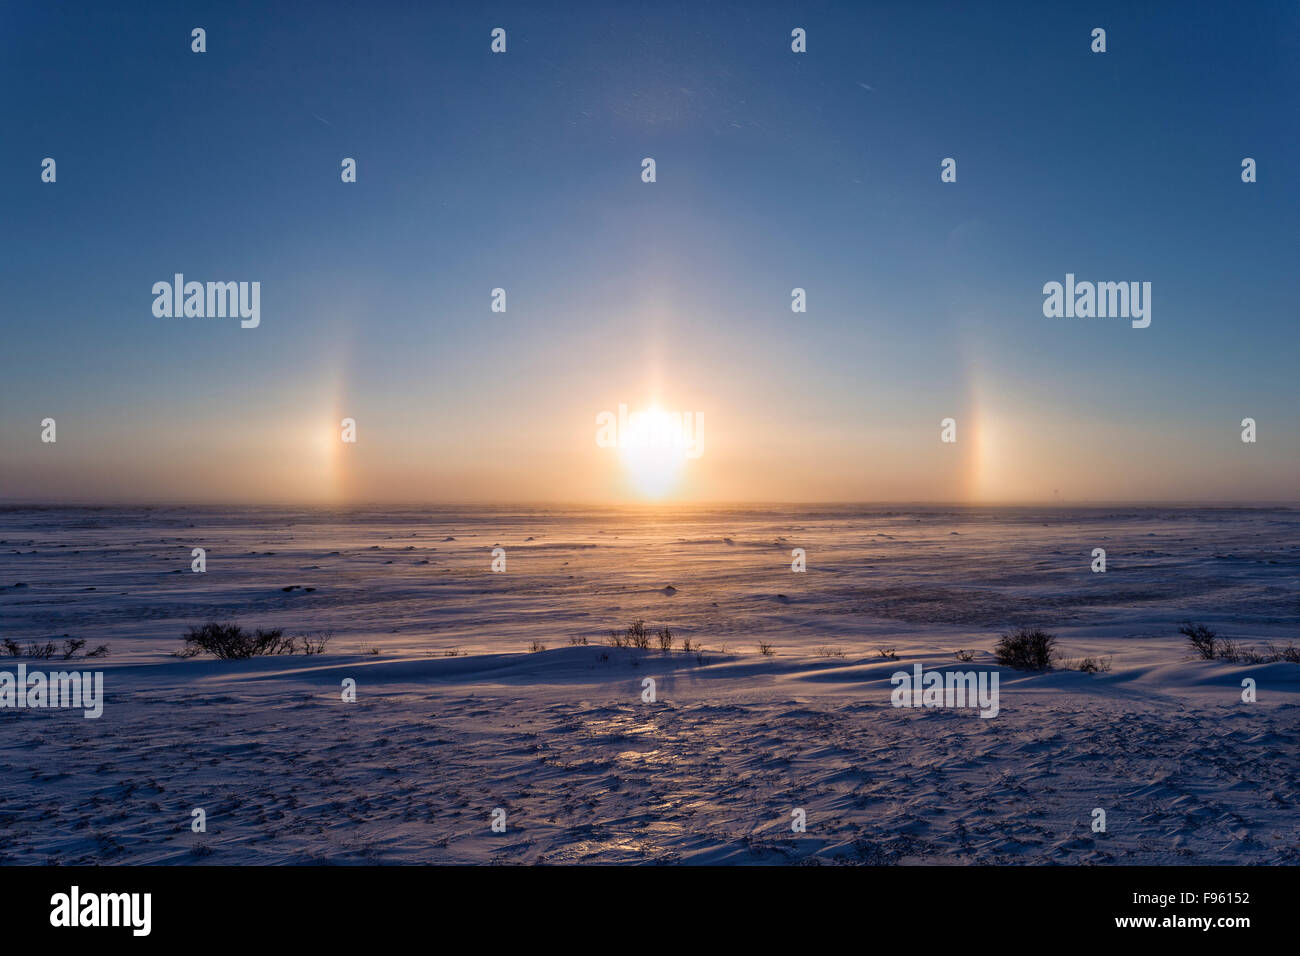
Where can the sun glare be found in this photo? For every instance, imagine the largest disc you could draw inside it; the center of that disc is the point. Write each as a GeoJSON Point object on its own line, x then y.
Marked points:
{"type": "Point", "coordinates": [653, 453]}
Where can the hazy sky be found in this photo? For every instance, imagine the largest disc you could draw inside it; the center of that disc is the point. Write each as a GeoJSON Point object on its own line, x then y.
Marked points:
{"type": "Point", "coordinates": [774, 170]}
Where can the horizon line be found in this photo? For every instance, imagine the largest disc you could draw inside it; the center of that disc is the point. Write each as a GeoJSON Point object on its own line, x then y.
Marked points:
{"type": "Point", "coordinates": [1283, 504]}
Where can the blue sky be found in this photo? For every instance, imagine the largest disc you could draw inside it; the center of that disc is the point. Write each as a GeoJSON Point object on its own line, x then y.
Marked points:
{"type": "Point", "coordinates": [775, 170]}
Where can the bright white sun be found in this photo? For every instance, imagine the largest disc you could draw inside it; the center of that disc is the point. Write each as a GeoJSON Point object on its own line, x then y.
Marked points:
{"type": "Point", "coordinates": [653, 452]}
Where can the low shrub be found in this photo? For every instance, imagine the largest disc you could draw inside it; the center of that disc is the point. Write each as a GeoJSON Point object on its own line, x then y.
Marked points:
{"type": "Point", "coordinates": [1026, 649]}
{"type": "Point", "coordinates": [228, 641]}
{"type": "Point", "coordinates": [1204, 641]}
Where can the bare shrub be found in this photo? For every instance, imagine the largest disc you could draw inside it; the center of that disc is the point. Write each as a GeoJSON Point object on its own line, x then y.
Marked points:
{"type": "Point", "coordinates": [1203, 640]}
{"type": "Point", "coordinates": [638, 636]}
{"type": "Point", "coordinates": [964, 655]}
{"type": "Point", "coordinates": [825, 651]}
{"type": "Point", "coordinates": [47, 650]}
{"type": "Point", "coordinates": [887, 653]}
{"type": "Point", "coordinates": [1228, 650]}
{"type": "Point", "coordinates": [765, 649]}
{"type": "Point", "coordinates": [1290, 653]}
{"type": "Point", "coordinates": [535, 647]}
{"type": "Point", "coordinates": [41, 652]}
{"type": "Point", "coordinates": [665, 640]}
{"type": "Point", "coordinates": [1210, 646]}
{"type": "Point", "coordinates": [577, 640]}
{"type": "Point", "coordinates": [1026, 649]}
{"type": "Point", "coordinates": [228, 641]}
{"type": "Point", "coordinates": [1237, 653]}
{"type": "Point", "coordinates": [271, 642]}
{"type": "Point", "coordinates": [315, 643]}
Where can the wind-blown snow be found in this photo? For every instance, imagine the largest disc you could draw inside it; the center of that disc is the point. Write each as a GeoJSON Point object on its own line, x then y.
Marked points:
{"type": "Point", "coordinates": [561, 739]}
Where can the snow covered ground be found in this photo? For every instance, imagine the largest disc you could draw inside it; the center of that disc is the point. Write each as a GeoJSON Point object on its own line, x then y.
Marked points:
{"type": "Point", "coordinates": [562, 740]}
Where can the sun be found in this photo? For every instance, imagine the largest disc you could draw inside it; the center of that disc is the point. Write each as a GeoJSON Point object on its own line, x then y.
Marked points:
{"type": "Point", "coordinates": [653, 453]}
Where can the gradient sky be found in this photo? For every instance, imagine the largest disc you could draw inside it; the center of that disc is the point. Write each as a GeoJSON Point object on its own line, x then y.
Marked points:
{"type": "Point", "coordinates": [775, 170]}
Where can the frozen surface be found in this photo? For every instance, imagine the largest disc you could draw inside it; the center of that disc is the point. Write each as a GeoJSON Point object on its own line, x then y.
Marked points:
{"type": "Point", "coordinates": [561, 739]}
